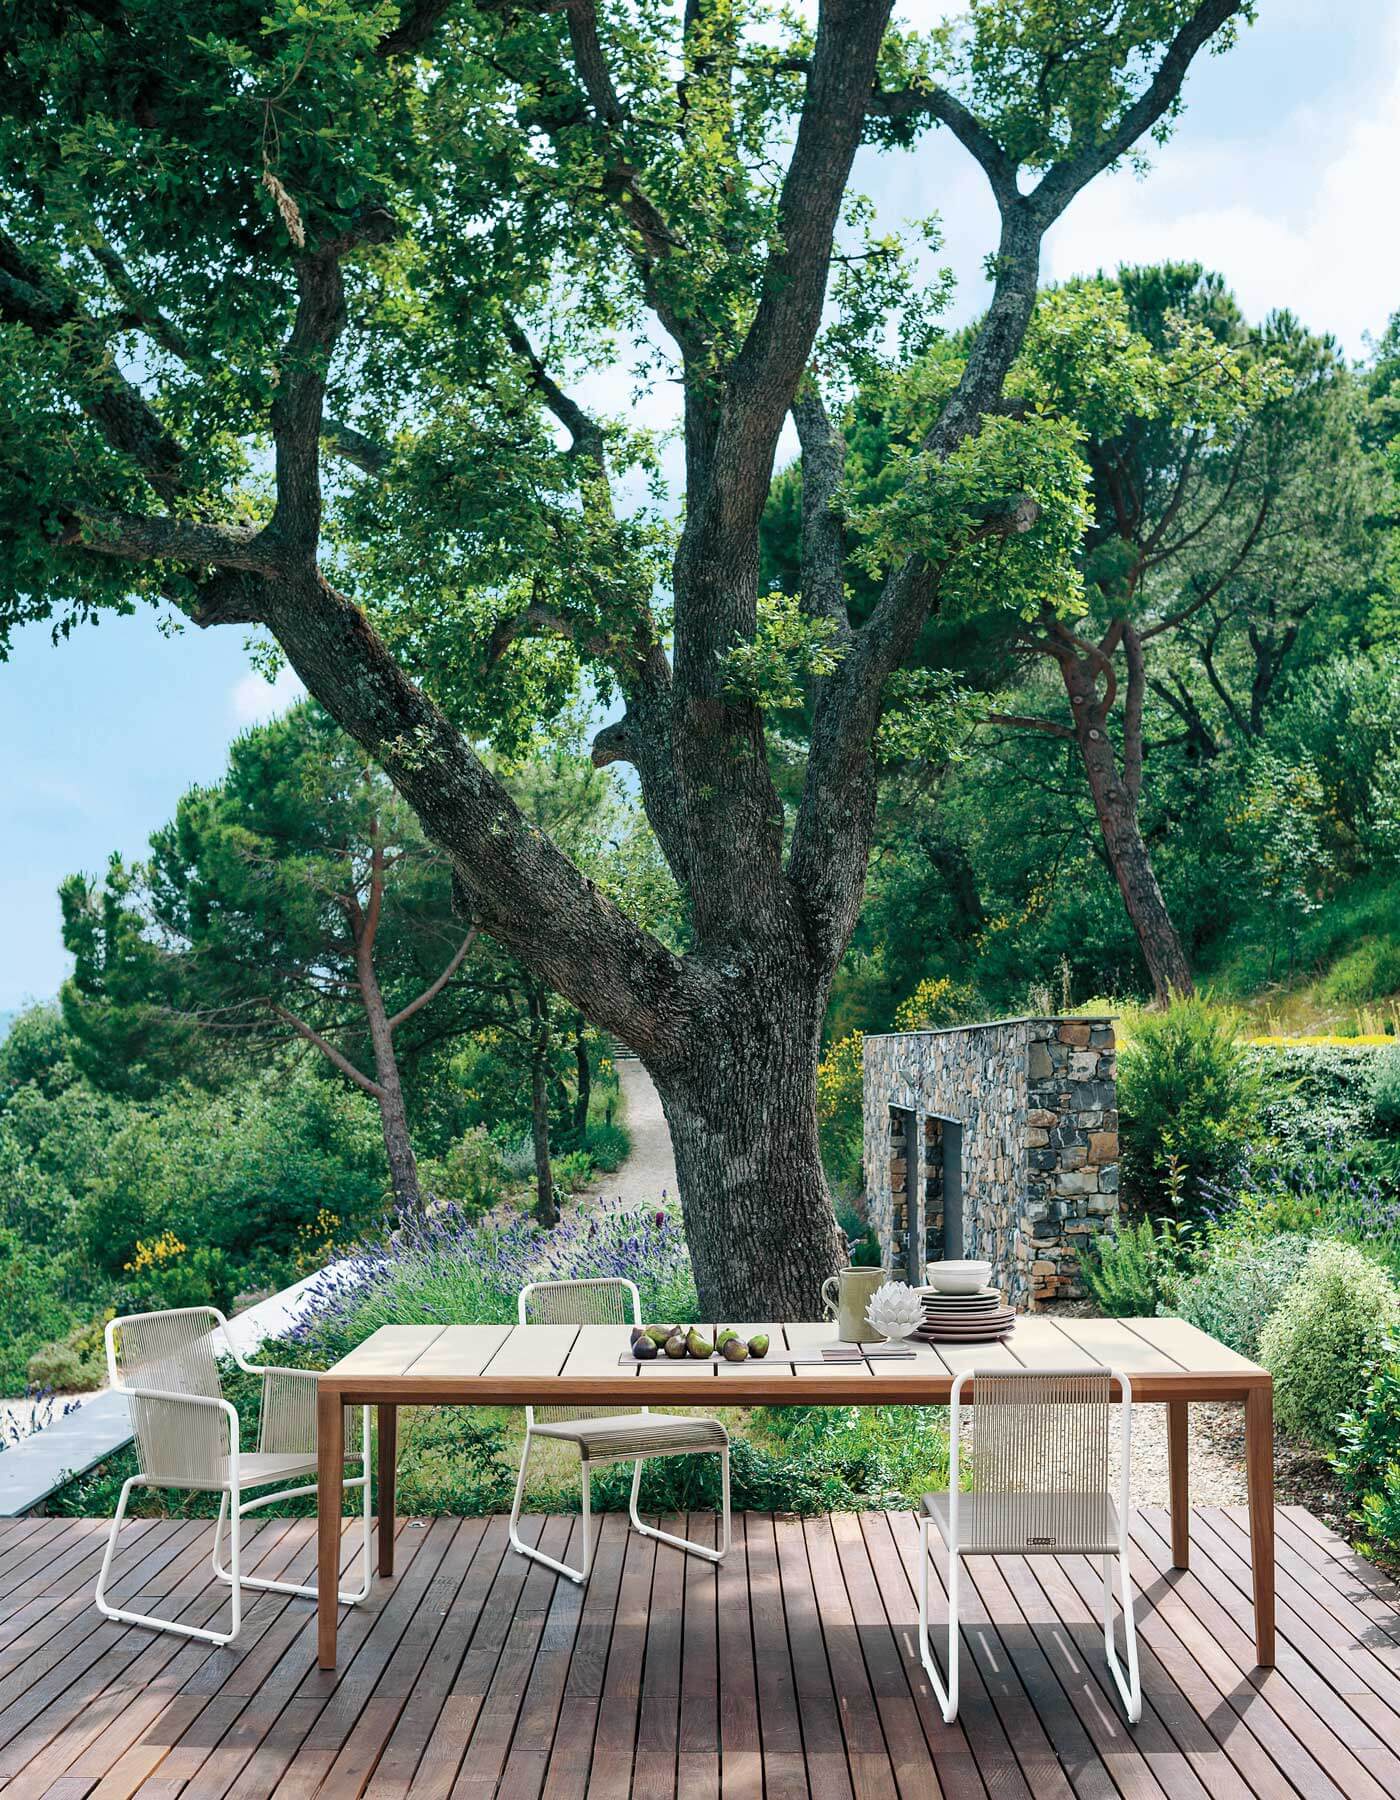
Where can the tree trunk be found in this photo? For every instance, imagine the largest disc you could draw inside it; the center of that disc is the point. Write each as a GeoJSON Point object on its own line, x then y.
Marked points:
{"type": "Point", "coordinates": [1117, 809]}
{"type": "Point", "coordinates": [742, 1112]}
{"type": "Point", "coordinates": [546, 1212]}
{"type": "Point", "coordinates": [393, 1115]}
{"type": "Point", "coordinates": [584, 1069]}
{"type": "Point", "coordinates": [403, 1165]}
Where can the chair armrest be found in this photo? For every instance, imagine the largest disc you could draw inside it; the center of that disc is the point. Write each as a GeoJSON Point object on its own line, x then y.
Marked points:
{"type": "Point", "coordinates": [176, 1446]}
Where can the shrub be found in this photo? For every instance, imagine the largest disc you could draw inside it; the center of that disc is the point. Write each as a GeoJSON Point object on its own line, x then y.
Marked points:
{"type": "Point", "coordinates": [32, 1307]}
{"type": "Point", "coordinates": [471, 1175]}
{"type": "Point", "coordinates": [1330, 1328]}
{"type": "Point", "coordinates": [1124, 1269]}
{"type": "Point", "coordinates": [76, 1364]}
{"type": "Point", "coordinates": [840, 1102]}
{"type": "Point", "coordinates": [608, 1145]}
{"type": "Point", "coordinates": [1384, 1089]}
{"type": "Point", "coordinates": [1368, 1463]}
{"type": "Point", "coordinates": [1238, 1288]}
{"type": "Point", "coordinates": [1188, 1093]}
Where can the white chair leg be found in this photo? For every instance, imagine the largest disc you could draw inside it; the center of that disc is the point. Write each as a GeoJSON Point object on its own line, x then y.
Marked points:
{"type": "Point", "coordinates": [306, 1590]}
{"type": "Point", "coordinates": [947, 1697]}
{"type": "Point", "coordinates": [1130, 1685]}
{"type": "Point", "coordinates": [149, 1619]}
{"type": "Point", "coordinates": [679, 1543]}
{"type": "Point", "coordinates": [521, 1548]}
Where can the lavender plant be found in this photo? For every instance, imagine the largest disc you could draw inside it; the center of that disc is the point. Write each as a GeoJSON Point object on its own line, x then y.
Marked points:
{"type": "Point", "coordinates": [449, 1269]}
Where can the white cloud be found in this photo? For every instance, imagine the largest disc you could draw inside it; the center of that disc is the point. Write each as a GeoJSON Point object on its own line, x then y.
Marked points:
{"type": "Point", "coordinates": [253, 700]}
{"type": "Point", "coordinates": [1297, 216]}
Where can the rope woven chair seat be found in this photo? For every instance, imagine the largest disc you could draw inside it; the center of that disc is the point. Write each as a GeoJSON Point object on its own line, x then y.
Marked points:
{"type": "Point", "coordinates": [1012, 1524]}
{"type": "Point", "coordinates": [622, 1438]}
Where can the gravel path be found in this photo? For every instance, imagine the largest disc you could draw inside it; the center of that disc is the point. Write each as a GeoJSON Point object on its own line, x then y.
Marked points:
{"type": "Point", "coordinates": [650, 1170]}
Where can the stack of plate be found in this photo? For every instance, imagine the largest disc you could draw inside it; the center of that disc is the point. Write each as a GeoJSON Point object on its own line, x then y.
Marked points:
{"type": "Point", "coordinates": [980, 1318]}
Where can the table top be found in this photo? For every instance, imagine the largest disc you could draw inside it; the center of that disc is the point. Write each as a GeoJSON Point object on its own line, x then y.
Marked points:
{"type": "Point", "coordinates": [479, 1365]}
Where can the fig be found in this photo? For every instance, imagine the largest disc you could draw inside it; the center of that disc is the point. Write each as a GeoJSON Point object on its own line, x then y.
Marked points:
{"type": "Point", "coordinates": [674, 1346]}
{"type": "Point", "coordinates": [699, 1347]}
{"type": "Point", "coordinates": [735, 1349]}
{"type": "Point", "coordinates": [758, 1346]}
{"type": "Point", "coordinates": [723, 1337]}
{"type": "Point", "coordinates": [659, 1333]}
{"type": "Point", "coordinates": [643, 1348]}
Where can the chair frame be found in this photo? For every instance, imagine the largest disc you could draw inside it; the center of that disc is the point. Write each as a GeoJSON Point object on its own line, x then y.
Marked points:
{"type": "Point", "coordinates": [581, 1574]}
{"type": "Point", "coordinates": [232, 1507]}
{"type": "Point", "coordinates": [1128, 1683]}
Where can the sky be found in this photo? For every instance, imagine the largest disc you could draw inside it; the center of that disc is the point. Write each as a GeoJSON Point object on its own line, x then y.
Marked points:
{"type": "Point", "coordinates": [1280, 176]}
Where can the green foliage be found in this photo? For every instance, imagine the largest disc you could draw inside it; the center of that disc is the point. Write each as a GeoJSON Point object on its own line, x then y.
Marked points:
{"type": "Point", "coordinates": [1125, 1269]}
{"type": "Point", "coordinates": [1384, 1089]}
{"type": "Point", "coordinates": [865, 1252]}
{"type": "Point", "coordinates": [1330, 1328]}
{"type": "Point", "coordinates": [75, 1364]}
{"type": "Point", "coordinates": [32, 1308]}
{"type": "Point", "coordinates": [1368, 1462]}
{"type": "Point", "coordinates": [1187, 1095]}
{"type": "Point", "coordinates": [1238, 1286]}
{"type": "Point", "coordinates": [789, 649]}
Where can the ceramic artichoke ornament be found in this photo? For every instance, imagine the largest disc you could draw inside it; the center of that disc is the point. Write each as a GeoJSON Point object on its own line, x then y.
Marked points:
{"type": "Point", "coordinates": [895, 1310]}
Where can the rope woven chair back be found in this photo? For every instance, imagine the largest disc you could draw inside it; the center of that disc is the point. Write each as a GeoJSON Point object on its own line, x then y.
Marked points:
{"type": "Point", "coordinates": [1041, 1476]}
{"type": "Point", "coordinates": [607, 1301]}
{"type": "Point", "coordinates": [183, 1445]}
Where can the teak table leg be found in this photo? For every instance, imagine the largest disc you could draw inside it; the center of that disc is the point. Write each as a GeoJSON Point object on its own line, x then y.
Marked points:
{"type": "Point", "coordinates": [330, 1464]}
{"type": "Point", "coordinates": [1259, 1462]}
{"type": "Point", "coordinates": [388, 1473]}
{"type": "Point", "coordinates": [1178, 1477]}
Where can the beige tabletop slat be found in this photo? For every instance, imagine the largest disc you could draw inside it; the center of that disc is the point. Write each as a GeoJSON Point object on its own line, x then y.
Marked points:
{"type": "Point", "coordinates": [460, 1350]}
{"type": "Point", "coordinates": [1109, 1341]}
{"type": "Point", "coordinates": [535, 1350]}
{"type": "Point", "coordinates": [977, 1356]}
{"type": "Point", "coordinates": [596, 1350]}
{"type": "Point", "coordinates": [1038, 1343]}
{"type": "Point", "coordinates": [811, 1340]}
{"type": "Point", "coordinates": [1188, 1345]}
{"type": "Point", "coordinates": [389, 1351]}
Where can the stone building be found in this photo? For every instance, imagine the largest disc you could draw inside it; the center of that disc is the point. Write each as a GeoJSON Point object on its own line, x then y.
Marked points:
{"type": "Point", "coordinates": [998, 1141]}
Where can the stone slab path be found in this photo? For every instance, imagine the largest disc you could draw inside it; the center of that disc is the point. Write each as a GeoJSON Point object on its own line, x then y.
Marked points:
{"type": "Point", "coordinates": [650, 1171]}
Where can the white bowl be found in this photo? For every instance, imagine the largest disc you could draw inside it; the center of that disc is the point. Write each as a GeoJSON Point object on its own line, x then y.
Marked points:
{"type": "Point", "coordinates": [958, 1277]}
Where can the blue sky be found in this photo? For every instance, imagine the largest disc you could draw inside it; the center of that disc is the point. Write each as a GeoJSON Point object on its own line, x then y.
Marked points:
{"type": "Point", "coordinates": [1280, 175]}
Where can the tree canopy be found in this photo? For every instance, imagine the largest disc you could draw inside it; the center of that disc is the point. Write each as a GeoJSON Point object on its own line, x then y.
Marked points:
{"type": "Point", "coordinates": [294, 305]}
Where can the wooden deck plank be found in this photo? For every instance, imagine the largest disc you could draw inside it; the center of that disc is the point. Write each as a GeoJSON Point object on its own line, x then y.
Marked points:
{"type": "Point", "coordinates": [1307, 1746]}
{"type": "Point", "coordinates": [790, 1671]}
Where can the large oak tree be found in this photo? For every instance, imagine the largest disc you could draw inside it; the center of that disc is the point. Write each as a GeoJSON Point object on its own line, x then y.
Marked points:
{"type": "Point", "coordinates": [293, 295]}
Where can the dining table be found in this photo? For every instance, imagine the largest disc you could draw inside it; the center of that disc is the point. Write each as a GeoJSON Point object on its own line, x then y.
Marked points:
{"type": "Point", "coordinates": [1168, 1362]}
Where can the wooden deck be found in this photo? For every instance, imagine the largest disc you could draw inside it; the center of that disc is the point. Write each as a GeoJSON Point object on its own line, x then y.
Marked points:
{"type": "Point", "coordinates": [788, 1672]}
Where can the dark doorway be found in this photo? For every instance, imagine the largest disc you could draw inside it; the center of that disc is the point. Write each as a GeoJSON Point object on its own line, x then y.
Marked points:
{"type": "Point", "coordinates": [942, 1191]}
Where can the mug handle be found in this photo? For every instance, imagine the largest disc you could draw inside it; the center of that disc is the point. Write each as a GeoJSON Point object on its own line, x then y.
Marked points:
{"type": "Point", "coordinates": [830, 1309]}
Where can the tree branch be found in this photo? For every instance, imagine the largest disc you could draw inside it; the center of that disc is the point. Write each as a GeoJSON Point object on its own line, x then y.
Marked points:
{"type": "Point", "coordinates": [1024, 722]}
{"type": "Point", "coordinates": [327, 1050]}
{"type": "Point", "coordinates": [1060, 183]}
{"type": "Point", "coordinates": [115, 405]}
{"type": "Point", "coordinates": [140, 538]}
{"type": "Point", "coordinates": [823, 541]}
{"type": "Point", "coordinates": [435, 988]}
{"type": "Point", "coordinates": [936, 103]}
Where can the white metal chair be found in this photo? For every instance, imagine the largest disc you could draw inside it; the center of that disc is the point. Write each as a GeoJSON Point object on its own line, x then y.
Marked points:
{"type": "Point", "coordinates": [610, 1434]}
{"type": "Point", "coordinates": [187, 1437]}
{"type": "Point", "coordinates": [1040, 1487]}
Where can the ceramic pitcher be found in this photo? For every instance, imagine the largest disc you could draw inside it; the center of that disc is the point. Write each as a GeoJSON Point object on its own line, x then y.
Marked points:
{"type": "Point", "coordinates": [845, 1297]}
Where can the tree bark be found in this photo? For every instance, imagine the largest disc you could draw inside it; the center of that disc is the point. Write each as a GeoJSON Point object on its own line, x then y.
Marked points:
{"type": "Point", "coordinates": [546, 1212]}
{"type": "Point", "coordinates": [742, 1113]}
{"type": "Point", "coordinates": [1115, 799]}
{"type": "Point", "coordinates": [393, 1115]}
{"type": "Point", "coordinates": [584, 1091]}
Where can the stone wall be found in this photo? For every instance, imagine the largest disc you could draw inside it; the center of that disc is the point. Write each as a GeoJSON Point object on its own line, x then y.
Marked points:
{"type": "Point", "coordinates": [1028, 1111]}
